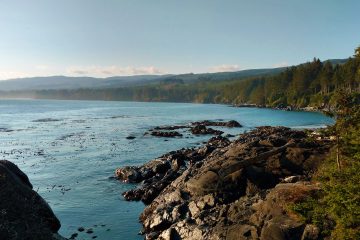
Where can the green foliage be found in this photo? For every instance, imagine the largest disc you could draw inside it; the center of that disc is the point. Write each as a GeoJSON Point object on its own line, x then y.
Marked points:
{"type": "Point", "coordinates": [313, 211]}
{"type": "Point", "coordinates": [336, 210]}
{"type": "Point", "coordinates": [357, 52]}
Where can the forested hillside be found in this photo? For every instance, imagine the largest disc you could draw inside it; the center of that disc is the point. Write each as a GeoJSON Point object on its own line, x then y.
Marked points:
{"type": "Point", "coordinates": [312, 83]}
{"type": "Point", "coordinates": [64, 82]}
{"type": "Point", "coordinates": [308, 84]}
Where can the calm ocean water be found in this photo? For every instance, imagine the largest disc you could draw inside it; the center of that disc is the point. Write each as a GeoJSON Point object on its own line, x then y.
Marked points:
{"type": "Point", "coordinates": [70, 160]}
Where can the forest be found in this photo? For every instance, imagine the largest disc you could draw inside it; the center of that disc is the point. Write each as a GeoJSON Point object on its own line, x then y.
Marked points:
{"type": "Point", "coordinates": [310, 84]}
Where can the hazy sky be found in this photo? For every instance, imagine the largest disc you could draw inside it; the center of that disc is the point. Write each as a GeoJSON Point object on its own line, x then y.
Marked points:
{"type": "Point", "coordinates": [126, 37]}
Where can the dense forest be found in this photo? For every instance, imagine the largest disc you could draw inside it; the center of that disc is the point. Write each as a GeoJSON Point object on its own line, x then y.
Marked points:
{"type": "Point", "coordinates": [308, 84]}
{"type": "Point", "coordinates": [335, 209]}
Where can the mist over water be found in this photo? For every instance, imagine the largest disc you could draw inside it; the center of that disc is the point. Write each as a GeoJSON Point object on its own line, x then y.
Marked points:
{"type": "Point", "coordinates": [70, 149]}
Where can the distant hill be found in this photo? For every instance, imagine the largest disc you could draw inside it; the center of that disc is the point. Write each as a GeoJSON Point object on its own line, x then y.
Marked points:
{"type": "Point", "coordinates": [337, 61]}
{"type": "Point", "coordinates": [64, 82]}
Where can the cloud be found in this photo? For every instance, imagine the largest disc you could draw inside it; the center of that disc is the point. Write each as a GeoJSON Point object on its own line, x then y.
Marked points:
{"type": "Point", "coordinates": [225, 68]}
{"type": "Point", "coordinates": [5, 75]}
{"type": "Point", "coordinates": [281, 64]}
{"type": "Point", "coordinates": [106, 71]}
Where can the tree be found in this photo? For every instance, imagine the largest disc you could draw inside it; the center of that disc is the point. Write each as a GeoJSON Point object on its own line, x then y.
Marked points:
{"type": "Point", "coordinates": [357, 52]}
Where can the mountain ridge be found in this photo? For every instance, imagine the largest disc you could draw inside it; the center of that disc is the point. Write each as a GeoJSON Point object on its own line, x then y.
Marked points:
{"type": "Point", "coordinates": [68, 82]}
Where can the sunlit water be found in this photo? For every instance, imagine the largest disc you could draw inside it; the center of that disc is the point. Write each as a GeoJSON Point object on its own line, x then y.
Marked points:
{"type": "Point", "coordinates": [71, 161]}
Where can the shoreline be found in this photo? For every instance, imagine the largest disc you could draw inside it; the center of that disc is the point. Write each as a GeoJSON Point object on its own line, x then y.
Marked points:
{"type": "Point", "coordinates": [208, 149]}
{"type": "Point", "coordinates": [284, 108]}
{"type": "Point", "coordinates": [197, 193]}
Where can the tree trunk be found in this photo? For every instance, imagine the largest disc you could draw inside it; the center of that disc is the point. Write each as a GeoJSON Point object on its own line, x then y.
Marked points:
{"type": "Point", "coordinates": [338, 153]}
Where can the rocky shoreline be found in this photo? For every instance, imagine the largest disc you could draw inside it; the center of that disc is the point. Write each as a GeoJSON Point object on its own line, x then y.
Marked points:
{"type": "Point", "coordinates": [239, 189]}
{"type": "Point", "coordinates": [323, 109]}
{"type": "Point", "coordinates": [224, 189]}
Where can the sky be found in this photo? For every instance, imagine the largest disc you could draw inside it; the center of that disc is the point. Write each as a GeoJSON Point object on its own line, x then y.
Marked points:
{"type": "Point", "coordinates": [103, 38]}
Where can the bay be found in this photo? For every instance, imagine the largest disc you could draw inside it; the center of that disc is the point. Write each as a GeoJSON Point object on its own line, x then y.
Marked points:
{"type": "Point", "coordinates": [70, 150]}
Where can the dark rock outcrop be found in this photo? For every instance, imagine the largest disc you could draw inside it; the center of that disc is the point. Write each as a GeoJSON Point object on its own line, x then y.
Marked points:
{"type": "Point", "coordinates": [173, 127]}
{"type": "Point", "coordinates": [202, 129]}
{"type": "Point", "coordinates": [197, 128]}
{"type": "Point", "coordinates": [231, 190]}
{"type": "Point", "coordinates": [159, 173]}
{"type": "Point", "coordinates": [165, 134]}
{"type": "Point", "coordinates": [230, 124]}
{"type": "Point", "coordinates": [23, 213]}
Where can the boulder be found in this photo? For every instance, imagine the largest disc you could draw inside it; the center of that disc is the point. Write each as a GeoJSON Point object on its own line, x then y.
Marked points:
{"type": "Point", "coordinates": [232, 124]}
{"type": "Point", "coordinates": [24, 214]}
{"type": "Point", "coordinates": [202, 130]}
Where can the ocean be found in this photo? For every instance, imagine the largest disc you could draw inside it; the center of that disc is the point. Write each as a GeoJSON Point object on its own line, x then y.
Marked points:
{"type": "Point", "coordinates": [70, 150]}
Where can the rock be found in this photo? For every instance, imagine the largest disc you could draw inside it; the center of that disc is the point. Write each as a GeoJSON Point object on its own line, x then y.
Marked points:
{"type": "Point", "coordinates": [194, 209]}
{"type": "Point", "coordinates": [208, 201]}
{"type": "Point", "coordinates": [169, 234]}
{"type": "Point", "coordinates": [161, 167]}
{"type": "Point", "coordinates": [201, 129]}
{"type": "Point", "coordinates": [311, 232]}
{"type": "Point", "coordinates": [293, 179]}
{"type": "Point", "coordinates": [233, 123]}
{"type": "Point", "coordinates": [261, 178]}
{"type": "Point", "coordinates": [159, 173]}
{"type": "Point", "coordinates": [173, 197]}
{"type": "Point", "coordinates": [230, 189]}
{"type": "Point", "coordinates": [205, 183]}
{"type": "Point", "coordinates": [73, 236]}
{"type": "Point", "coordinates": [218, 142]}
{"type": "Point", "coordinates": [56, 236]}
{"type": "Point", "coordinates": [230, 124]}
{"type": "Point", "coordinates": [277, 221]}
{"type": "Point", "coordinates": [15, 170]}
{"type": "Point", "coordinates": [229, 135]}
{"type": "Point", "coordinates": [282, 228]}
{"type": "Point", "coordinates": [22, 209]}
{"type": "Point", "coordinates": [168, 134]}
{"type": "Point", "coordinates": [241, 232]}
{"type": "Point", "coordinates": [152, 235]}
{"type": "Point", "coordinates": [174, 127]}
{"type": "Point", "coordinates": [177, 163]}
{"type": "Point", "coordinates": [128, 174]}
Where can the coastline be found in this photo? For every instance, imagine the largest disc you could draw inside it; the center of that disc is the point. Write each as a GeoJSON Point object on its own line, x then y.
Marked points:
{"type": "Point", "coordinates": [284, 108]}
{"type": "Point", "coordinates": [39, 121]}
{"type": "Point", "coordinates": [226, 189]}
